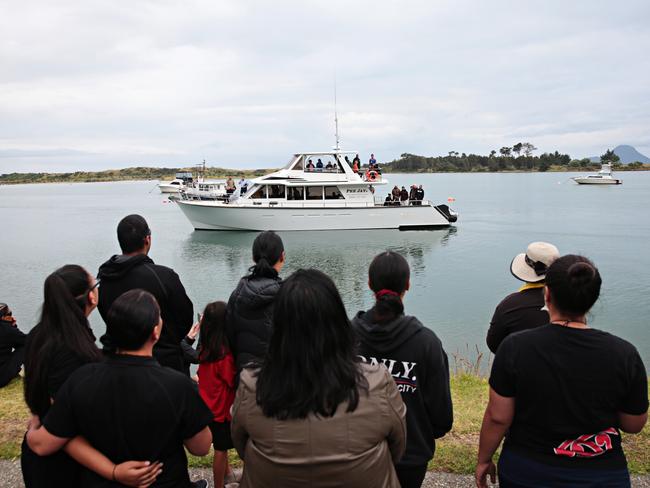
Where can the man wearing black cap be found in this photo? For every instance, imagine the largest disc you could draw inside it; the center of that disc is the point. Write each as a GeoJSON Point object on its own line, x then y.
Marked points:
{"type": "Point", "coordinates": [525, 308]}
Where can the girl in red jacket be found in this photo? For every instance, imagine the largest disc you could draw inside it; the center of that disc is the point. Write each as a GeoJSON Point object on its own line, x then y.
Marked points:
{"type": "Point", "coordinates": [217, 385]}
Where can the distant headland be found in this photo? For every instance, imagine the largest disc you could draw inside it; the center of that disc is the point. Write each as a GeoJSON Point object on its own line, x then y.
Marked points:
{"type": "Point", "coordinates": [517, 158]}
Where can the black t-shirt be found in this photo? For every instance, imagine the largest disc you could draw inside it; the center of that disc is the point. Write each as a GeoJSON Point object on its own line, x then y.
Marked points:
{"type": "Point", "coordinates": [11, 337]}
{"type": "Point", "coordinates": [569, 385]}
{"type": "Point", "coordinates": [131, 408]}
{"type": "Point", "coordinates": [516, 312]}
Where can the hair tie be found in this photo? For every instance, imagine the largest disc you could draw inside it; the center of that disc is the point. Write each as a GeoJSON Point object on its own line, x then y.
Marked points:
{"type": "Point", "coordinates": [385, 292]}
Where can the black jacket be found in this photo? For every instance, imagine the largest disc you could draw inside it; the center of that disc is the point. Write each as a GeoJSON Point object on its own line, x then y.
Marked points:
{"type": "Point", "coordinates": [415, 358]}
{"type": "Point", "coordinates": [249, 317]}
{"type": "Point", "coordinates": [123, 273]}
{"type": "Point", "coordinates": [516, 312]}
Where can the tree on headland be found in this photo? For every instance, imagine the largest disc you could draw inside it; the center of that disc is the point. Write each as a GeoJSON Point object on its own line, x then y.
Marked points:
{"type": "Point", "coordinates": [609, 157]}
{"type": "Point", "coordinates": [517, 148]}
{"type": "Point", "coordinates": [528, 148]}
{"type": "Point", "coordinates": [505, 151]}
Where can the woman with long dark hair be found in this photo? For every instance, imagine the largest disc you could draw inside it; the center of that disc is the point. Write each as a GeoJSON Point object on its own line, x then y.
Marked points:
{"type": "Point", "coordinates": [313, 414]}
{"type": "Point", "coordinates": [57, 346]}
{"type": "Point", "coordinates": [414, 356]}
{"type": "Point", "coordinates": [250, 307]}
{"type": "Point", "coordinates": [561, 393]}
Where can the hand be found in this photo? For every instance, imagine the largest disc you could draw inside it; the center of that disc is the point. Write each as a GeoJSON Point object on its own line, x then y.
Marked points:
{"type": "Point", "coordinates": [194, 330]}
{"type": "Point", "coordinates": [139, 474]}
{"type": "Point", "coordinates": [482, 472]}
{"type": "Point", "coordinates": [34, 422]}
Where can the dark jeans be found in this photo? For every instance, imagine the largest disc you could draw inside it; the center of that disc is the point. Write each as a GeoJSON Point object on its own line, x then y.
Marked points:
{"type": "Point", "coordinates": [10, 369]}
{"type": "Point", "coordinates": [517, 471]}
{"type": "Point", "coordinates": [411, 476]}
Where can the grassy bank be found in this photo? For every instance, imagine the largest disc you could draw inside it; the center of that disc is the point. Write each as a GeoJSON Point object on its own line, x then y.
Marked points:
{"type": "Point", "coordinates": [455, 453]}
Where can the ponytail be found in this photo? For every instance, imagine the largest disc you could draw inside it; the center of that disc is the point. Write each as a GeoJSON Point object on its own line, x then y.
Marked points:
{"type": "Point", "coordinates": [63, 324]}
{"type": "Point", "coordinates": [267, 251]}
{"type": "Point", "coordinates": [388, 277]}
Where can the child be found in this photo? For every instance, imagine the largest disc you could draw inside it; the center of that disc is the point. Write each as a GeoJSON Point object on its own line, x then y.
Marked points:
{"type": "Point", "coordinates": [217, 385]}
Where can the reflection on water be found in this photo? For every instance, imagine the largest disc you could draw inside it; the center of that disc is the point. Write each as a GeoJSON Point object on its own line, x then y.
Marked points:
{"type": "Point", "coordinates": [343, 255]}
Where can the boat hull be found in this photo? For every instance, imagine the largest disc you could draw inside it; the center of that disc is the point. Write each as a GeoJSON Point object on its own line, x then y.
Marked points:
{"type": "Point", "coordinates": [169, 188]}
{"type": "Point", "coordinates": [218, 216]}
{"type": "Point", "coordinates": [598, 181]}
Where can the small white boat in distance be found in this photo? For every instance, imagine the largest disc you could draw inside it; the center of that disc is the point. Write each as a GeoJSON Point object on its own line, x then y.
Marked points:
{"type": "Point", "coordinates": [304, 196]}
{"type": "Point", "coordinates": [177, 184]}
{"type": "Point", "coordinates": [603, 177]}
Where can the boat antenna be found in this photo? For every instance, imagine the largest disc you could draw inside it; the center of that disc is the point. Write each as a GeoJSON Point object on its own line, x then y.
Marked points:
{"type": "Point", "coordinates": [336, 119]}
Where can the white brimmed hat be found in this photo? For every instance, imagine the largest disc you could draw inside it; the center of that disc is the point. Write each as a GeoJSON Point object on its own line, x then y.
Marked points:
{"type": "Point", "coordinates": [531, 266]}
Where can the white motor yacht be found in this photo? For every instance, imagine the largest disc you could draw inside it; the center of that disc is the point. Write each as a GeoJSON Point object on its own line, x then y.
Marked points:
{"type": "Point", "coordinates": [305, 196]}
{"type": "Point", "coordinates": [603, 177]}
{"type": "Point", "coordinates": [177, 184]}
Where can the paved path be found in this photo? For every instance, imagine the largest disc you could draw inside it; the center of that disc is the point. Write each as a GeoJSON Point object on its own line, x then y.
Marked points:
{"type": "Point", "coordinates": [10, 477]}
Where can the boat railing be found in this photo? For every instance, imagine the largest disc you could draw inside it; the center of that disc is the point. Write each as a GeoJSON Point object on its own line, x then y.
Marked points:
{"type": "Point", "coordinates": [318, 204]}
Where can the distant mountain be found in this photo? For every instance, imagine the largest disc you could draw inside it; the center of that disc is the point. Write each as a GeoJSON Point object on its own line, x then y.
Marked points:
{"type": "Point", "coordinates": [628, 154]}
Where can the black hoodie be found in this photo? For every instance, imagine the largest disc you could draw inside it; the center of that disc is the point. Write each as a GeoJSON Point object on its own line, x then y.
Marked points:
{"type": "Point", "coordinates": [415, 358]}
{"type": "Point", "coordinates": [250, 313]}
{"type": "Point", "coordinates": [123, 273]}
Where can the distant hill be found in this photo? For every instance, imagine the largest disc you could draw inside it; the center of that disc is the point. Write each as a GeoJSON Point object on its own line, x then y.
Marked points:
{"type": "Point", "coordinates": [628, 154]}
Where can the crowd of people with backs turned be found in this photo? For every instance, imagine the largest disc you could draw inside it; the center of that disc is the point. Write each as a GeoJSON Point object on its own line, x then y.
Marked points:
{"type": "Point", "coordinates": [305, 395]}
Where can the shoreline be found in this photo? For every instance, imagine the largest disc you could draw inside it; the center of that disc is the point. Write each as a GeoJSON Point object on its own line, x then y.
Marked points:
{"type": "Point", "coordinates": [49, 178]}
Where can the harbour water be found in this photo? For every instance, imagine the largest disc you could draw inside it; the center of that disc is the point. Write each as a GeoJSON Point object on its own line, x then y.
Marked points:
{"type": "Point", "coordinates": [458, 275]}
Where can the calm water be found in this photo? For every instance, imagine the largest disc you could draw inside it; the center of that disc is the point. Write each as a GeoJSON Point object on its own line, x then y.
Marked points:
{"type": "Point", "coordinates": [458, 275]}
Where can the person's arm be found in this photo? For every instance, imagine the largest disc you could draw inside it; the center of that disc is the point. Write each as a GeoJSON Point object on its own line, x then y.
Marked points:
{"type": "Point", "coordinates": [17, 337]}
{"type": "Point", "coordinates": [238, 431]}
{"type": "Point", "coordinates": [496, 421]}
{"type": "Point", "coordinates": [496, 333]}
{"type": "Point", "coordinates": [397, 410]}
{"type": "Point", "coordinates": [633, 411]}
{"type": "Point", "coordinates": [130, 473]}
{"type": "Point", "coordinates": [41, 441]}
{"type": "Point", "coordinates": [435, 388]}
{"type": "Point", "coordinates": [199, 444]}
{"type": "Point", "coordinates": [180, 303]}
{"type": "Point", "coordinates": [632, 424]}
{"type": "Point", "coordinates": [190, 354]}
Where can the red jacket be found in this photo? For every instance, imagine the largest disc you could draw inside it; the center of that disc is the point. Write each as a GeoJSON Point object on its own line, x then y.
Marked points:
{"type": "Point", "coordinates": [217, 386]}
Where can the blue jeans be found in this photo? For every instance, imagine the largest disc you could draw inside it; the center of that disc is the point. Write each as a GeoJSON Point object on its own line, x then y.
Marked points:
{"type": "Point", "coordinates": [517, 471]}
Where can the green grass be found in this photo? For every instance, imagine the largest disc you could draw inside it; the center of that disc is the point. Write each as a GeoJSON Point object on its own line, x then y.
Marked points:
{"type": "Point", "coordinates": [455, 453]}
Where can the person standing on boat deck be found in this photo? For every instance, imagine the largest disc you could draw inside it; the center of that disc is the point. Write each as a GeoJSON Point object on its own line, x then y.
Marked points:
{"type": "Point", "coordinates": [412, 195]}
{"type": "Point", "coordinates": [310, 165]}
{"type": "Point", "coordinates": [524, 309]}
{"type": "Point", "coordinates": [372, 161]}
{"type": "Point", "coordinates": [243, 187]}
{"type": "Point", "coordinates": [230, 185]}
{"type": "Point", "coordinates": [135, 269]}
{"type": "Point", "coordinates": [319, 165]}
{"type": "Point", "coordinates": [329, 166]}
{"type": "Point", "coordinates": [12, 346]}
{"type": "Point", "coordinates": [396, 193]}
{"type": "Point", "coordinates": [404, 196]}
{"type": "Point", "coordinates": [250, 307]}
{"type": "Point", "coordinates": [414, 356]}
{"type": "Point", "coordinates": [389, 200]}
{"type": "Point", "coordinates": [419, 195]}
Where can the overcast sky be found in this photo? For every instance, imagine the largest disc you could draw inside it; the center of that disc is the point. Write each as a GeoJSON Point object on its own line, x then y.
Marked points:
{"type": "Point", "coordinates": [106, 84]}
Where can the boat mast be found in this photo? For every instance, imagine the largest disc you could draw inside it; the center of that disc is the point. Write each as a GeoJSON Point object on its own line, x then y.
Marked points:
{"type": "Point", "coordinates": [336, 120]}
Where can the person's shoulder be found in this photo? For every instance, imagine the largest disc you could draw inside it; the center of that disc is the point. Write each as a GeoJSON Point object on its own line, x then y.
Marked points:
{"type": "Point", "coordinates": [376, 375]}
{"type": "Point", "coordinates": [614, 342]}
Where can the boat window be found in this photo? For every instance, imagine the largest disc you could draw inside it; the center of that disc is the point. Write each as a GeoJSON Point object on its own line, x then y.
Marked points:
{"type": "Point", "coordinates": [259, 193]}
{"type": "Point", "coordinates": [332, 193]}
{"type": "Point", "coordinates": [298, 165]}
{"type": "Point", "coordinates": [314, 193]}
{"type": "Point", "coordinates": [175, 183]}
{"type": "Point", "coordinates": [296, 193]}
{"type": "Point", "coordinates": [276, 191]}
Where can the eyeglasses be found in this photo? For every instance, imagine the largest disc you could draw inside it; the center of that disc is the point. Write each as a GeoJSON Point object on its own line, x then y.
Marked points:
{"type": "Point", "coordinates": [87, 293]}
